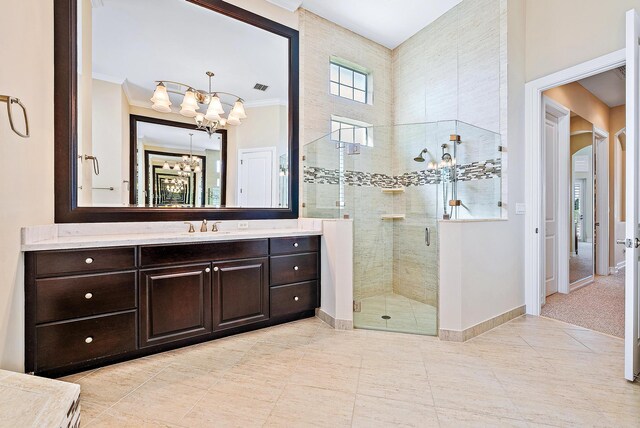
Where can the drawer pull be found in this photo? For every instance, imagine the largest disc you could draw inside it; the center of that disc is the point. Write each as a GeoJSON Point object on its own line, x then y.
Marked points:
{"type": "Point", "coordinates": [295, 244]}
{"type": "Point", "coordinates": [88, 260]}
{"type": "Point", "coordinates": [207, 270]}
{"type": "Point", "coordinates": [88, 339]}
{"type": "Point", "coordinates": [88, 296]}
{"type": "Point", "coordinates": [296, 298]}
{"type": "Point", "coordinates": [296, 268]}
{"type": "Point", "coordinates": [216, 269]}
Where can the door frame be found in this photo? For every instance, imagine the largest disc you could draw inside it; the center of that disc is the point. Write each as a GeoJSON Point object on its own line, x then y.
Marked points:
{"type": "Point", "coordinates": [534, 224]}
{"type": "Point", "coordinates": [563, 115]}
{"type": "Point", "coordinates": [274, 167]}
{"type": "Point", "coordinates": [617, 204]}
{"type": "Point", "coordinates": [601, 192]}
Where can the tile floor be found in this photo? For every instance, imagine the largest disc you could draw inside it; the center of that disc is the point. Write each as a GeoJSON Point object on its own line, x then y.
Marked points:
{"type": "Point", "coordinates": [528, 372]}
{"type": "Point", "coordinates": [407, 315]}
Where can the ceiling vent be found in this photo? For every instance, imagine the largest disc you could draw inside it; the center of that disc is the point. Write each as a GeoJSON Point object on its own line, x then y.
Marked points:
{"type": "Point", "coordinates": [97, 3]}
{"type": "Point", "coordinates": [260, 87]}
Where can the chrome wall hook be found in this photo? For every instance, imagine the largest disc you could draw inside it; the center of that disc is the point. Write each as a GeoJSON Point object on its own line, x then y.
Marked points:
{"type": "Point", "coordinates": [10, 101]}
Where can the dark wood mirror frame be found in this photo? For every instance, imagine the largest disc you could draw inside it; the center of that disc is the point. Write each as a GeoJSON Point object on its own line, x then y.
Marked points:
{"type": "Point", "coordinates": [66, 125]}
{"type": "Point", "coordinates": [133, 158]}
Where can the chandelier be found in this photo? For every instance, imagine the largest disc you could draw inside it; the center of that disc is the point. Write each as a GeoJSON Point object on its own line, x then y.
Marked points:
{"type": "Point", "coordinates": [188, 164]}
{"type": "Point", "coordinates": [209, 121]}
{"type": "Point", "coordinates": [175, 185]}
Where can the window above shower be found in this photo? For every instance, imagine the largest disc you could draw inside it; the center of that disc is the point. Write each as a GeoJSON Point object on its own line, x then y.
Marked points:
{"type": "Point", "coordinates": [447, 170]}
{"type": "Point", "coordinates": [350, 81]}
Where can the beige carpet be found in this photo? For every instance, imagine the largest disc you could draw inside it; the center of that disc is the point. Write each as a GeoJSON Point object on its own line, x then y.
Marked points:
{"type": "Point", "coordinates": [599, 306]}
{"type": "Point", "coordinates": [581, 265]}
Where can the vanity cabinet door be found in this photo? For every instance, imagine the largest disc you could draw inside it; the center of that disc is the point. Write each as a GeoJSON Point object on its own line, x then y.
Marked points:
{"type": "Point", "coordinates": [175, 303]}
{"type": "Point", "coordinates": [240, 292]}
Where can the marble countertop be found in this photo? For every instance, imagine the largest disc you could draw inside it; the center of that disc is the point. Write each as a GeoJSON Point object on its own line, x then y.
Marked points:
{"type": "Point", "coordinates": [129, 239]}
{"type": "Point", "coordinates": [95, 235]}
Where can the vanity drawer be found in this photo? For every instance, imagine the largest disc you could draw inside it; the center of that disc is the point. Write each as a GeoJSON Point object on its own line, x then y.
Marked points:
{"type": "Point", "coordinates": [81, 296]}
{"type": "Point", "coordinates": [78, 261]}
{"type": "Point", "coordinates": [67, 343]}
{"type": "Point", "coordinates": [294, 268]}
{"type": "Point", "coordinates": [300, 244]}
{"type": "Point", "coordinates": [294, 298]}
{"type": "Point", "coordinates": [192, 253]}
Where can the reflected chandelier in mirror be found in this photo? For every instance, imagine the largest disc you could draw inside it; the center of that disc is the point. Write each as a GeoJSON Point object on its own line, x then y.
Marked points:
{"type": "Point", "coordinates": [210, 121]}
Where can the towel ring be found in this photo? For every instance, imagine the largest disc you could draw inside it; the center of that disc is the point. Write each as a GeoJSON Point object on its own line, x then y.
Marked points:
{"type": "Point", "coordinates": [12, 100]}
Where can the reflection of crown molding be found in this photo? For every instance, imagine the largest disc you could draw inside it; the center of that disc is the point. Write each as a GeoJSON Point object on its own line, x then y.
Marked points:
{"type": "Point", "coordinates": [265, 103]}
{"type": "Point", "coordinates": [108, 78]}
{"type": "Point", "coordinates": [290, 5]}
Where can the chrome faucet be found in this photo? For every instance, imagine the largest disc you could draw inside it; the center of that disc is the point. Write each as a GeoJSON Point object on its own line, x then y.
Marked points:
{"type": "Point", "coordinates": [203, 226]}
{"type": "Point", "coordinates": [191, 228]}
{"type": "Point", "coordinates": [215, 226]}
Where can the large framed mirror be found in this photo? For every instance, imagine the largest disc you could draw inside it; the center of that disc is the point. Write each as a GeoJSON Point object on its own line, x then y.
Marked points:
{"type": "Point", "coordinates": [174, 110]}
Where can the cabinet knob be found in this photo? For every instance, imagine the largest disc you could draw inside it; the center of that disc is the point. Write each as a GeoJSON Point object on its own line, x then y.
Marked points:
{"type": "Point", "coordinates": [207, 270]}
{"type": "Point", "coordinates": [216, 269]}
{"type": "Point", "coordinates": [296, 298]}
{"type": "Point", "coordinates": [88, 260]}
{"type": "Point", "coordinates": [296, 268]}
{"type": "Point", "coordinates": [295, 244]}
{"type": "Point", "coordinates": [88, 296]}
{"type": "Point", "coordinates": [88, 339]}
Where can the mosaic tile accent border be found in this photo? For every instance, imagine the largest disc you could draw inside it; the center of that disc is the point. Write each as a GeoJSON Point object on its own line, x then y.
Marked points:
{"type": "Point", "coordinates": [482, 170]}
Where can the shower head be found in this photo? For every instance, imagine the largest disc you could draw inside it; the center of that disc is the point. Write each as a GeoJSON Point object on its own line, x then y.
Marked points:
{"type": "Point", "coordinates": [421, 158]}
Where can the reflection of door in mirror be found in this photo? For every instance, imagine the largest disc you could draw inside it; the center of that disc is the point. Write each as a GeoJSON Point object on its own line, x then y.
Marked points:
{"type": "Point", "coordinates": [581, 260]}
{"type": "Point", "coordinates": [128, 70]}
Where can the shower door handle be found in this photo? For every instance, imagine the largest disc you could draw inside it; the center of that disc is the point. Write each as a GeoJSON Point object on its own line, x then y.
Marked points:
{"type": "Point", "coordinates": [427, 236]}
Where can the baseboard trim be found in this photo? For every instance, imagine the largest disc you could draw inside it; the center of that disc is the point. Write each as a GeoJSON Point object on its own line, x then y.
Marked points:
{"type": "Point", "coordinates": [335, 323]}
{"type": "Point", "coordinates": [581, 283]}
{"type": "Point", "coordinates": [483, 327]}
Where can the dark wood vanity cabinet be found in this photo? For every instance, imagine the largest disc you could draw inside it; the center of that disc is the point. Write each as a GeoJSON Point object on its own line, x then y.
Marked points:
{"type": "Point", "coordinates": [241, 290]}
{"type": "Point", "coordinates": [175, 303]}
{"type": "Point", "coordinates": [91, 307]}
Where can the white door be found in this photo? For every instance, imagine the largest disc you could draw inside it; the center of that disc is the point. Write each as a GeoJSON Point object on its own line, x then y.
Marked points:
{"type": "Point", "coordinates": [551, 150]}
{"type": "Point", "coordinates": [631, 348]}
{"type": "Point", "coordinates": [255, 177]}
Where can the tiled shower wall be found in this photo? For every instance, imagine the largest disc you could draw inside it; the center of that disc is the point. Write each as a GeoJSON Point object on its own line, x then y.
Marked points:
{"type": "Point", "coordinates": [452, 69]}
{"type": "Point", "coordinates": [321, 40]}
{"type": "Point", "coordinates": [441, 73]}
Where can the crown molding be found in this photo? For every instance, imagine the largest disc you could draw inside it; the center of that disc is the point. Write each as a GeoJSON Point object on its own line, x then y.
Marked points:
{"type": "Point", "coordinates": [290, 5]}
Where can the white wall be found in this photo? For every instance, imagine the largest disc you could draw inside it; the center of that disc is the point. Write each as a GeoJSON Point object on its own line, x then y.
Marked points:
{"type": "Point", "coordinates": [263, 127]}
{"type": "Point", "coordinates": [26, 31]}
{"type": "Point", "coordinates": [110, 143]}
{"type": "Point", "coordinates": [563, 33]}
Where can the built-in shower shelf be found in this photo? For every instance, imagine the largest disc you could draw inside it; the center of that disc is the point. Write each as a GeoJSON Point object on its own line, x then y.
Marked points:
{"type": "Point", "coordinates": [393, 190]}
{"type": "Point", "coordinates": [393, 216]}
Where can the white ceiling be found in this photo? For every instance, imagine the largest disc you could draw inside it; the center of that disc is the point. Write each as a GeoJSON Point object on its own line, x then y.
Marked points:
{"type": "Point", "coordinates": [387, 22]}
{"type": "Point", "coordinates": [139, 43]}
{"type": "Point", "coordinates": [171, 137]}
{"type": "Point", "coordinates": [609, 87]}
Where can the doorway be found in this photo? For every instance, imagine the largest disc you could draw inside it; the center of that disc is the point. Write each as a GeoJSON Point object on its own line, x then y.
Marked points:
{"type": "Point", "coordinates": [576, 165]}
{"type": "Point", "coordinates": [256, 177]}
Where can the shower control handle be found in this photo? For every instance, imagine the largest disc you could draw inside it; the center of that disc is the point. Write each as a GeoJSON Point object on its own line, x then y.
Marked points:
{"type": "Point", "coordinates": [427, 236]}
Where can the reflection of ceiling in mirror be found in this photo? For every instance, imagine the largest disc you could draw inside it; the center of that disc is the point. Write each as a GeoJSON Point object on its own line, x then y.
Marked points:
{"type": "Point", "coordinates": [172, 137]}
{"type": "Point", "coordinates": [138, 42]}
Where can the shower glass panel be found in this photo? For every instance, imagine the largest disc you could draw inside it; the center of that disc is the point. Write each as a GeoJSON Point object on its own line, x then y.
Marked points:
{"type": "Point", "coordinates": [396, 185]}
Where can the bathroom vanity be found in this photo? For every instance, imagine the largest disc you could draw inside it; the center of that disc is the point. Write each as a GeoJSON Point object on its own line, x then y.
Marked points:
{"type": "Point", "coordinates": [87, 307]}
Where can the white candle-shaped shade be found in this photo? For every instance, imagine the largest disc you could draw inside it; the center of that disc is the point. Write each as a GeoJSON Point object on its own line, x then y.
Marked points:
{"type": "Point", "coordinates": [215, 105]}
{"type": "Point", "coordinates": [189, 104]}
{"type": "Point", "coordinates": [160, 99]}
{"type": "Point", "coordinates": [238, 110]}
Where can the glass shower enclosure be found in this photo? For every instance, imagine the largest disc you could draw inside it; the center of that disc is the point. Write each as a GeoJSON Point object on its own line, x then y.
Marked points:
{"type": "Point", "coordinates": [397, 183]}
